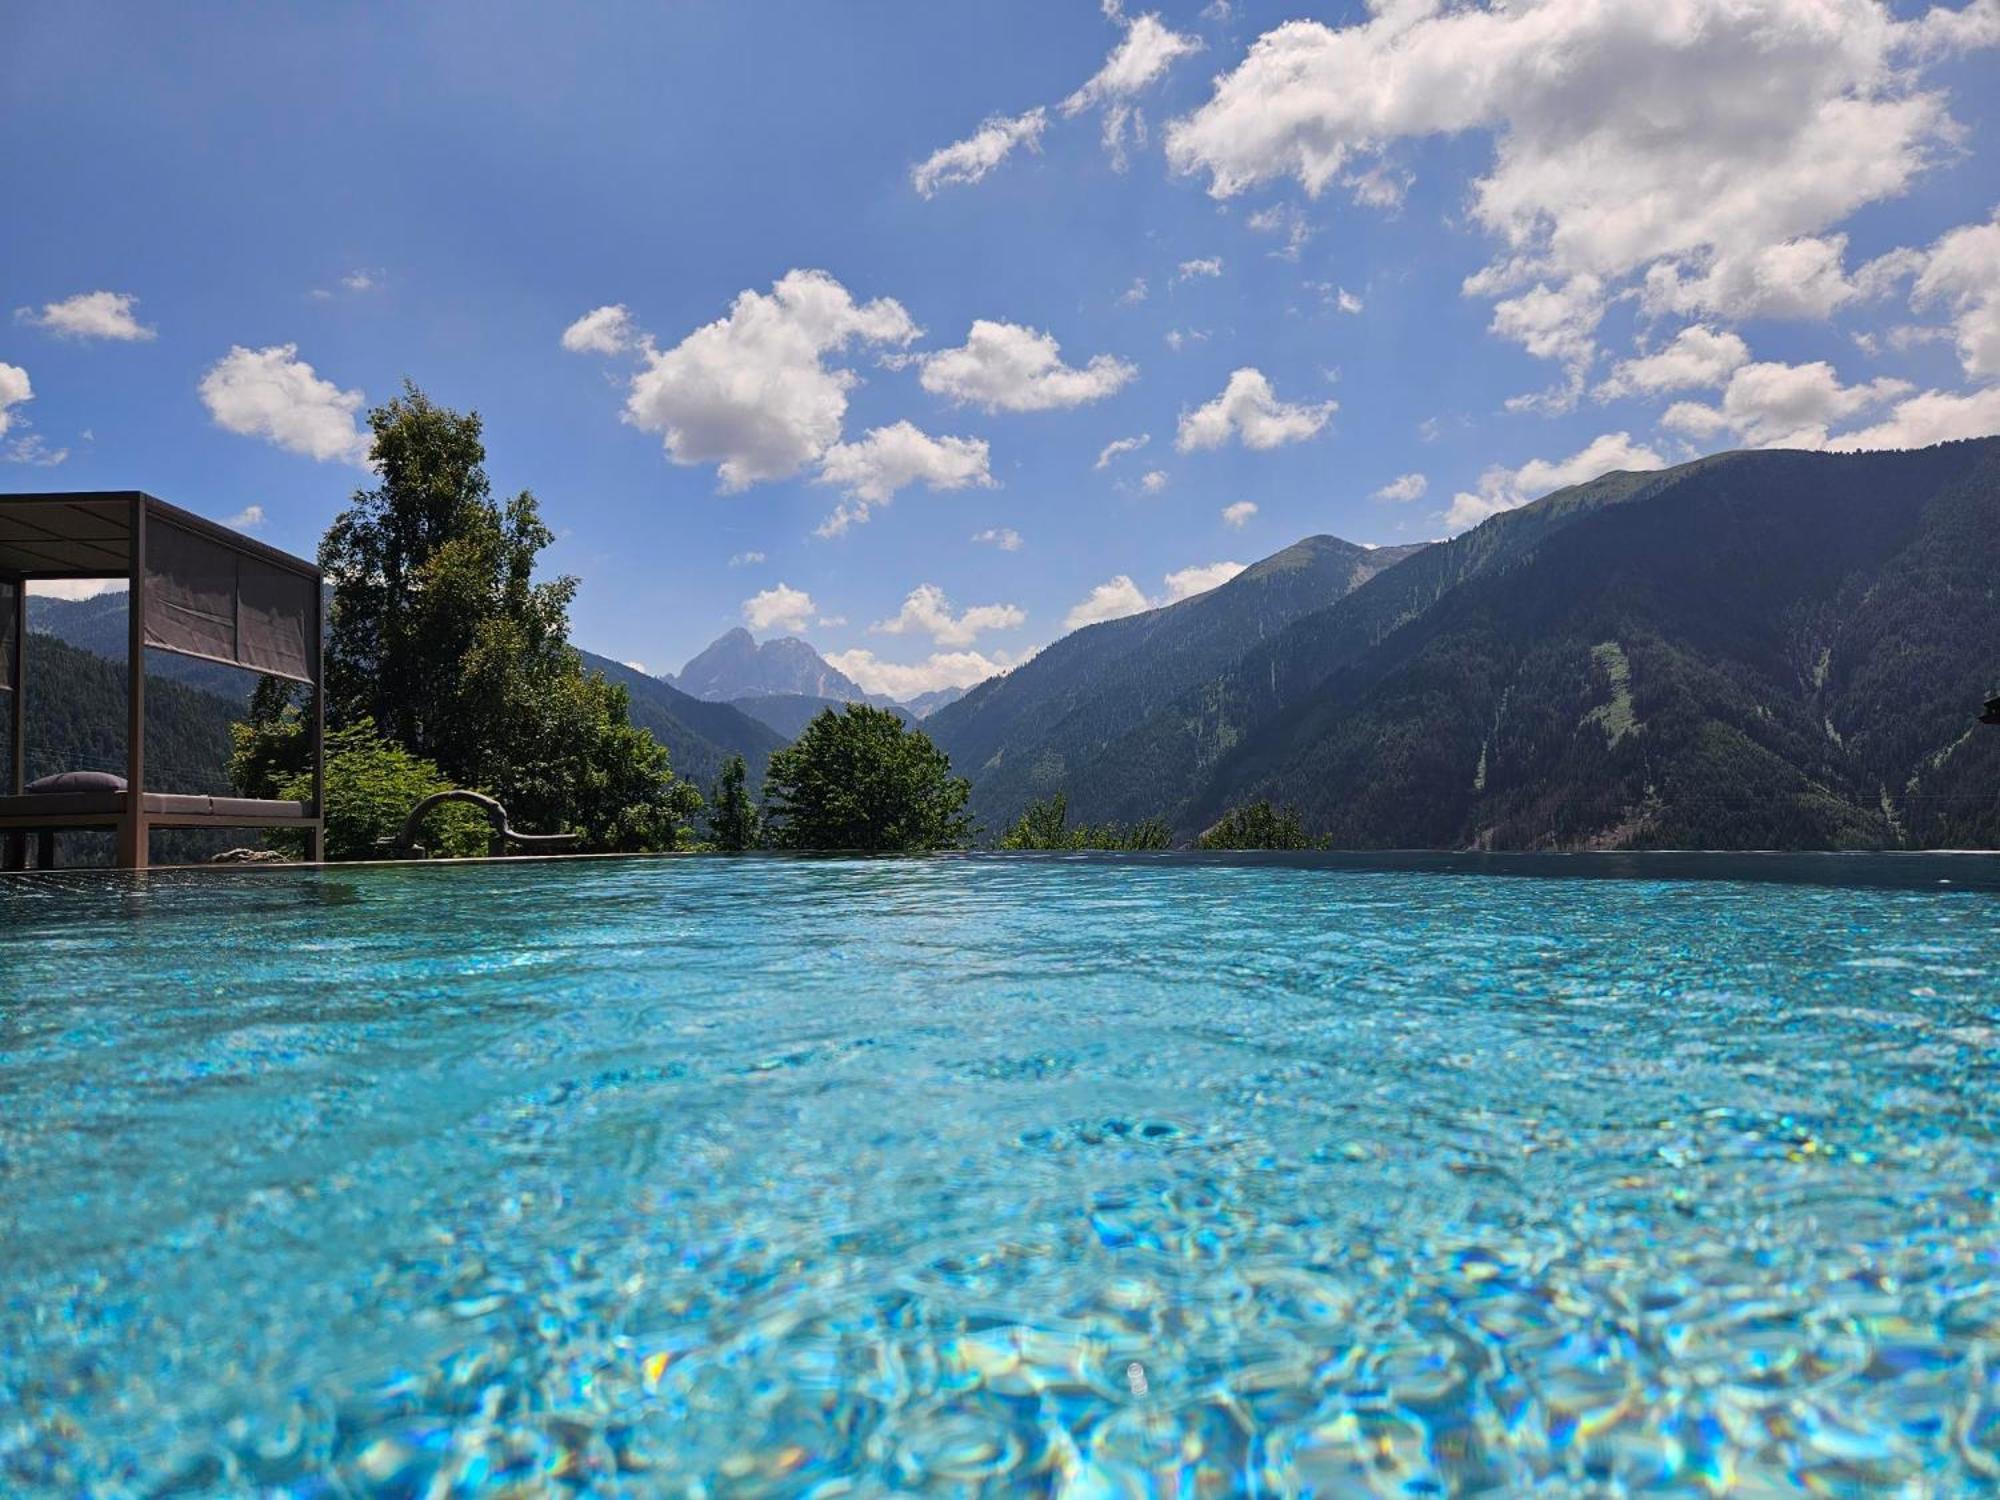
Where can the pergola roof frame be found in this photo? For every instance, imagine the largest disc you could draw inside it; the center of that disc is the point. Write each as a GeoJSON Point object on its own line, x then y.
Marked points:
{"type": "Point", "coordinates": [134, 812]}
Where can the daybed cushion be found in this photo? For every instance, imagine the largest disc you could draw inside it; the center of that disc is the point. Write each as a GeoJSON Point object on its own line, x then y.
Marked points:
{"type": "Point", "coordinates": [77, 781]}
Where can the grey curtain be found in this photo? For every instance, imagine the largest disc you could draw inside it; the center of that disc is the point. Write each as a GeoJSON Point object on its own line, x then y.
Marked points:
{"type": "Point", "coordinates": [204, 599]}
{"type": "Point", "coordinates": [9, 595]}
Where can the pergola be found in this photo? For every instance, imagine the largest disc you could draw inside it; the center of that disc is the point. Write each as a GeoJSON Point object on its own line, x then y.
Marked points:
{"type": "Point", "coordinates": [196, 589]}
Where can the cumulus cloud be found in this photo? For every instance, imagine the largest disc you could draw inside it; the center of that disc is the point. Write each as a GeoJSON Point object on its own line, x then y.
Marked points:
{"type": "Point", "coordinates": [1933, 417]}
{"type": "Point", "coordinates": [1699, 358]}
{"type": "Point", "coordinates": [1111, 600]}
{"type": "Point", "coordinates": [745, 559]}
{"type": "Point", "coordinates": [90, 315]}
{"type": "Point", "coordinates": [1286, 220]}
{"type": "Point", "coordinates": [886, 459]}
{"type": "Point", "coordinates": [1962, 273]}
{"type": "Point", "coordinates": [1117, 446]}
{"type": "Point", "coordinates": [1153, 481]}
{"type": "Point", "coordinates": [1006, 538]}
{"type": "Point", "coordinates": [969, 160]}
{"type": "Point", "coordinates": [1505, 489]}
{"type": "Point", "coordinates": [905, 680]}
{"type": "Point", "coordinates": [273, 394]}
{"type": "Point", "coordinates": [1239, 513]}
{"type": "Point", "coordinates": [752, 392]}
{"type": "Point", "coordinates": [1133, 294]}
{"type": "Point", "coordinates": [1119, 596]}
{"type": "Point", "coordinates": [1403, 489]}
{"type": "Point", "coordinates": [247, 519]}
{"type": "Point", "coordinates": [927, 611]}
{"type": "Point", "coordinates": [1009, 367]}
{"type": "Point", "coordinates": [1799, 278]}
{"type": "Point", "coordinates": [602, 330]}
{"type": "Point", "coordinates": [1148, 49]}
{"type": "Point", "coordinates": [779, 608]}
{"type": "Point", "coordinates": [1776, 405]}
{"type": "Point", "coordinates": [1250, 410]}
{"type": "Point", "coordinates": [1188, 582]}
{"type": "Point", "coordinates": [1208, 265]}
{"type": "Point", "coordinates": [1708, 138]}
{"type": "Point", "coordinates": [15, 388]}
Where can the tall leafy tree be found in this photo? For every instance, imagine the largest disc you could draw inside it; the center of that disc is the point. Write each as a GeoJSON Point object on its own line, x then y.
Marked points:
{"type": "Point", "coordinates": [857, 779]}
{"type": "Point", "coordinates": [443, 637]}
{"type": "Point", "coordinates": [732, 816]}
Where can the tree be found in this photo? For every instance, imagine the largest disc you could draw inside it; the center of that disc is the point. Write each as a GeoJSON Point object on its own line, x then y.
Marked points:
{"type": "Point", "coordinates": [1256, 825]}
{"type": "Point", "coordinates": [1046, 825]}
{"type": "Point", "coordinates": [732, 816]}
{"type": "Point", "coordinates": [443, 639]}
{"type": "Point", "coordinates": [371, 785]}
{"type": "Point", "coordinates": [857, 779]}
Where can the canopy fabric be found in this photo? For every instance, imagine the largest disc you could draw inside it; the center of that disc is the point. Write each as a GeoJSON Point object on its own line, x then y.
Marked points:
{"type": "Point", "coordinates": [209, 600]}
{"type": "Point", "coordinates": [9, 601]}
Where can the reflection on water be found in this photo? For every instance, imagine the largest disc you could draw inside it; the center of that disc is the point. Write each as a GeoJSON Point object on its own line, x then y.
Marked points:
{"type": "Point", "coordinates": [1104, 1177]}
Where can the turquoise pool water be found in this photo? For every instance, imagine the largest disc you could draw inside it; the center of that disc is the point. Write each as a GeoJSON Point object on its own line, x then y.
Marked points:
{"type": "Point", "coordinates": [1094, 1177]}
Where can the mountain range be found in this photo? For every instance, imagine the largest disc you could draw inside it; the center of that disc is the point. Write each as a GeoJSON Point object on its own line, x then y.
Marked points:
{"type": "Point", "coordinates": [1764, 649]}
{"type": "Point", "coordinates": [736, 665]}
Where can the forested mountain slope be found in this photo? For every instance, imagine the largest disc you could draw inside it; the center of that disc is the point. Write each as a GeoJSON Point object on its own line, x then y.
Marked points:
{"type": "Point", "coordinates": [1032, 731]}
{"type": "Point", "coordinates": [699, 735]}
{"type": "Point", "coordinates": [1758, 649]}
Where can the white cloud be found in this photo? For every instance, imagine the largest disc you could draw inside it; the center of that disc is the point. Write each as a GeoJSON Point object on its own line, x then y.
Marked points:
{"type": "Point", "coordinates": [969, 160]}
{"type": "Point", "coordinates": [779, 608]}
{"type": "Point", "coordinates": [1240, 513]}
{"type": "Point", "coordinates": [1504, 489]}
{"type": "Point", "coordinates": [362, 280]}
{"type": "Point", "coordinates": [602, 330]}
{"type": "Point", "coordinates": [1933, 417]}
{"type": "Point", "coordinates": [1133, 294]}
{"type": "Point", "coordinates": [1208, 265]}
{"type": "Point", "coordinates": [1558, 323]}
{"type": "Point", "coordinates": [1188, 582]}
{"type": "Point", "coordinates": [1347, 302]}
{"type": "Point", "coordinates": [1249, 409]}
{"type": "Point", "coordinates": [639, 667]}
{"type": "Point", "coordinates": [1006, 538]}
{"type": "Point", "coordinates": [247, 519]}
{"type": "Point", "coordinates": [1153, 481]}
{"type": "Point", "coordinates": [14, 389]}
{"type": "Point", "coordinates": [1714, 138]}
{"type": "Point", "coordinates": [1799, 278]}
{"type": "Point", "coordinates": [1175, 337]}
{"type": "Point", "coordinates": [1404, 488]}
{"type": "Point", "coordinates": [1774, 405]}
{"type": "Point", "coordinates": [1699, 357]}
{"type": "Point", "coordinates": [91, 315]}
{"type": "Point", "coordinates": [273, 394]}
{"type": "Point", "coordinates": [1119, 596]}
{"type": "Point", "coordinates": [75, 588]}
{"type": "Point", "coordinates": [1284, 219]}
{"type": "Point", "coordinates": [1147, 51]}
{"type": "Point", "coordinates": [745, 559]}
{"type": "Point", "coordinates": [1117, 446]}
{"type": "Point", "coordinates": [1962, 271]}
{"type": "Point", "coordinates": [903, 681]}
{"type": "Point", "coordinates": [888, 458]}
{"type": "Point", "coordinates": [927, 611]}
{"type": "Point", "coordinates": [29, 448]}
{"type": "Point", "coordinates": [751, 392]}
{"type": "Point", "coordinates": [1110, 600]}
{"type": "Point", "coordinates": [1009, 367]}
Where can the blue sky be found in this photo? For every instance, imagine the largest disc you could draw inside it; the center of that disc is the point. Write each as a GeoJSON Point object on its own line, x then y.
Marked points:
{"type": "Point", "coordinates": [1305, 251]}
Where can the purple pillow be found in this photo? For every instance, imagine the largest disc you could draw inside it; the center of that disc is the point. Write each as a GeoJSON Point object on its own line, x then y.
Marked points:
{"type": "Point", "coordinates": [79, 781]}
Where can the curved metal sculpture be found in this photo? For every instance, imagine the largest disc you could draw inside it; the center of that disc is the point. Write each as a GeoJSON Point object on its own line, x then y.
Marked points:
{"type": "Point", "coordinates": [498, 841]}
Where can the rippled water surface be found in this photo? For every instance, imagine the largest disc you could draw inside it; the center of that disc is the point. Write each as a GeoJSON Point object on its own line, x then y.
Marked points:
{"type": "Point", "coordinates": [1096, 1177]}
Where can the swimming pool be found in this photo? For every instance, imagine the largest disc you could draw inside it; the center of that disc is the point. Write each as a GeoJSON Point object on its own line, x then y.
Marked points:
{"type": "Point", "coordinates": [1104, 1176]}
